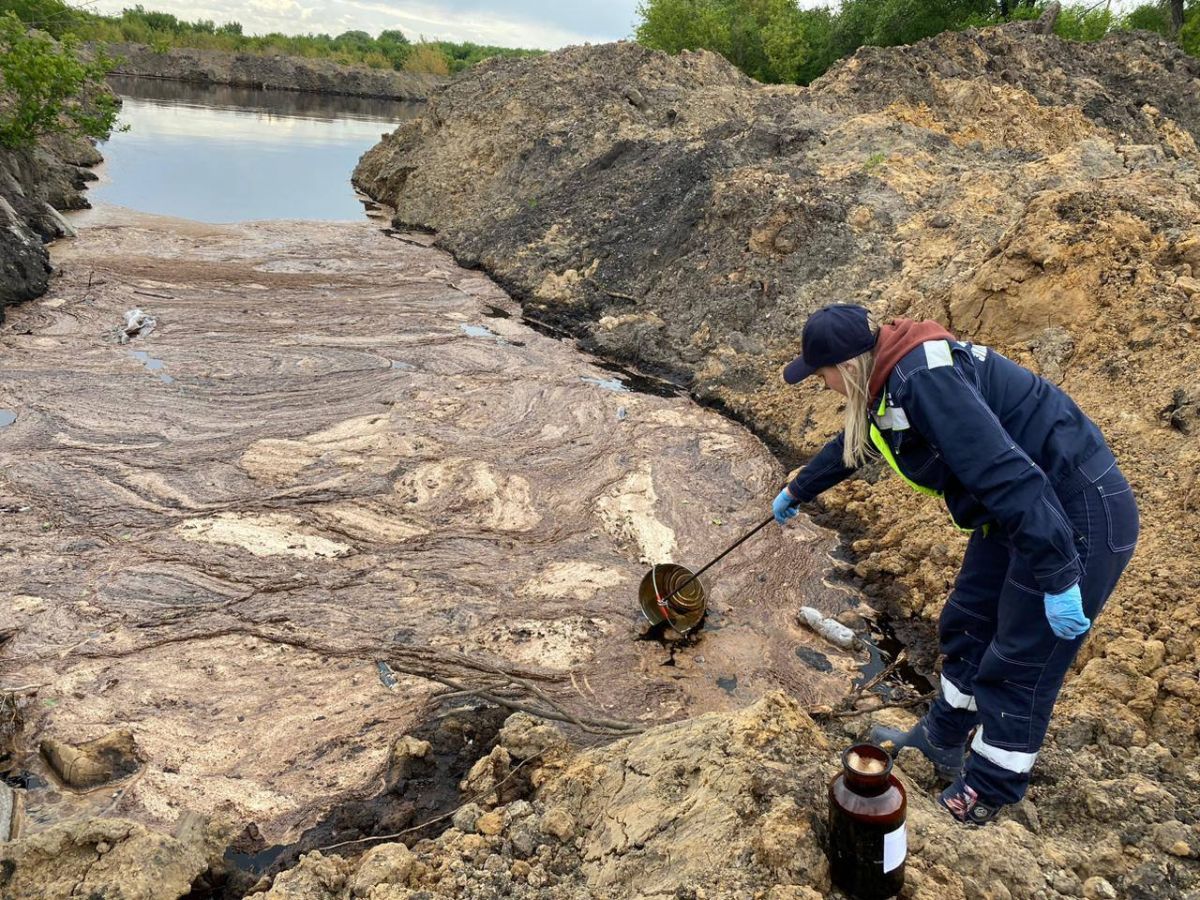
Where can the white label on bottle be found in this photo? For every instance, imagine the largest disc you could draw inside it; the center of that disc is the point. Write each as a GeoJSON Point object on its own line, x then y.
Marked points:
{"type": "Point", "coordinates": [895, 848]}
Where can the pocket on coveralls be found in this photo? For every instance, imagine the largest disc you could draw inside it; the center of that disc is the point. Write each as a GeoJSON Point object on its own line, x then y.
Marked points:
{"type": "Point", "coordinates": [1121, 512]}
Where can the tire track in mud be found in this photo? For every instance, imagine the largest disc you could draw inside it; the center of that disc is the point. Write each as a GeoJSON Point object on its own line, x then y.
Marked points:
{"type": "Point", "coordinates": [342, 445]}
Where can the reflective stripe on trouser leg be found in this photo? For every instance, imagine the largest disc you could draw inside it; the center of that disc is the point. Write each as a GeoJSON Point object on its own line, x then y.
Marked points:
{"type": "Point", "coordinates": [1021, 673]}
{"type": "Point", "coordinates": [951, 716]}
{"type": "Point", "coordinates": [1012, 760]}
{"type": "Point", "coordinates": [957, 698]}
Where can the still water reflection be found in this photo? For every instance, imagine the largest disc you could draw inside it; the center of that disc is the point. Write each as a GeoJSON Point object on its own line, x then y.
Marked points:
{"type": "Point", "coordinates": [222, 154]}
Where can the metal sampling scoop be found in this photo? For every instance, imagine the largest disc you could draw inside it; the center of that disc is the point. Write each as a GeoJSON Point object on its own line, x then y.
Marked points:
{"type": "Point", "coordinates": [675, 595]}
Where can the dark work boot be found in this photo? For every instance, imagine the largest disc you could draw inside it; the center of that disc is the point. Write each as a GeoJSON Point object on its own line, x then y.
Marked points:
{"type": "Point", "coordinates": [964, 804]}
{"type": "Point", "coordinates": [947, 761]}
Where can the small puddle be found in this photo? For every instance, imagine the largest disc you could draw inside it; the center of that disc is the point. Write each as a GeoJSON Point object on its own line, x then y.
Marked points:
{"type": "Point", "coordinates": [154, 364]}
{"type": "Point", "coordinates": [479, 331]}
{"type": "Point", "coordinates": [255, 863]}
{"type": "Point", "coordinates": [637, 382]}
{"type": "Point", "coordinates": [728, 685]}
{"type": "Point", "coordinates": [482, 331]}
{"type": "Point", "coordinates": [26, 781]}
{"type": "Point", "coordinates": [407, 367]}
{"type": "Point", "coordinates": [883, 648]}
{"type": "Point", "coordinates": [7, 417]}
{"type": "Point", "coordinates": [48, 803]}
{"type": "Point", "coordinates": [609, 384]}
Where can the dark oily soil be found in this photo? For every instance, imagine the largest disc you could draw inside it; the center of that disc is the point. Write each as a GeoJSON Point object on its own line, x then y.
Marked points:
{"type": "Point", "coordinates": [422, 792]}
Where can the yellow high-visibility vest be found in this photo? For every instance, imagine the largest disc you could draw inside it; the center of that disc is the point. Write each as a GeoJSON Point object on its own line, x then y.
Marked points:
{"type": "Point", "coordinates": [885, 451]}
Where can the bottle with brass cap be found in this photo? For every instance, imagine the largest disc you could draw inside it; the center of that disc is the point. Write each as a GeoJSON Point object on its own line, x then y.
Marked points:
{"type": "Point", "coordinates": [867, 833]}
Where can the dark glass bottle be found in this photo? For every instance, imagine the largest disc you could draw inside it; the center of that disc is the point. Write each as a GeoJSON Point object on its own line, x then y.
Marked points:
{"type": "Point", "coordinates": [867, 838]}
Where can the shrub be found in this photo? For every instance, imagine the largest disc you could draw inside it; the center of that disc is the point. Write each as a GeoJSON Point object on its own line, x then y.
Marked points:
{"type": "Point", "coordinates": [51, 16]}
{"type": "Point", "coordinates": [772, 40]}
{"type": "Point", "coordinates": [675, 25]}
{"type": "Point", "coordinates": [1189, 35]}
{"type": "Point", "coordinates": [1082, 23]}
{"type": "Point", "coordinates": [426, 58]}
{"type": "Point", "coordinates": [1148, 17]}
{"type": "Point", "coordinates": [48, 89]}
{"type": "Point", "coordinates": [394, 46]}
{"type": "Point", "coordinates": [163, 31]}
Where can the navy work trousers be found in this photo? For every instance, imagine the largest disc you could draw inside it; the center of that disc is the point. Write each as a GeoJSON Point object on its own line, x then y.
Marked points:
{"type": "Point", "coordinates": [1003, 666]}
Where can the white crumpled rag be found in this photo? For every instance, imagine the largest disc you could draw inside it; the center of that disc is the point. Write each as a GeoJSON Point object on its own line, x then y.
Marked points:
{"type": "Point", "coordinates": [137, 324]}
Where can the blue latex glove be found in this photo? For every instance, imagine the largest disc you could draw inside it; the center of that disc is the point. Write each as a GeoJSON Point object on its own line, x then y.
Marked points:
{"type": "Point", "coordinates": [1064, 612]}
{"type": "Point", "coordinates": [785, 507]}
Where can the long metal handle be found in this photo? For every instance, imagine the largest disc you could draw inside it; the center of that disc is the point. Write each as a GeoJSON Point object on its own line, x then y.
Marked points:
{"type": "Point", "coordinates": [745, 537]}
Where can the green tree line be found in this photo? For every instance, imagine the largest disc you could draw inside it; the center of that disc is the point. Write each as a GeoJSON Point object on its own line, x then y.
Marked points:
{"type": "Point", "coordinates": [391, 49]}
{"type": "Point", "coordinates": [778, 42]}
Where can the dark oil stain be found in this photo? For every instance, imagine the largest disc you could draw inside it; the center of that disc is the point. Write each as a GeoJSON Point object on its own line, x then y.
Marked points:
{"type": "Point", "coordinates": [424, 790]}
{"type": "Point", "coordinates": [27, 781]}
{"type": "Point", "coordinates": [814, 659]}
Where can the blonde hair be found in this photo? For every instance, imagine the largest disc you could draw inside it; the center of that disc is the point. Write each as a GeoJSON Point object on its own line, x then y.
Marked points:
{"type": "Point", "coordinates": [856, 374]}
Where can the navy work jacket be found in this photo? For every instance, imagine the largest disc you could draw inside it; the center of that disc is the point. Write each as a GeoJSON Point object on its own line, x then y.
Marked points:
{"type": "Point", "coordinates": [999, 443]}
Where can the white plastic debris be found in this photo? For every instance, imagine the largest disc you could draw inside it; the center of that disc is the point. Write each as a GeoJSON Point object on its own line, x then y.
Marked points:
{"type": "Point", "coordinates": [137, 324]}
{"type": "Point", "coordinates": [10, 813]}
{"type": "Point", "coordinates": [830, 629]}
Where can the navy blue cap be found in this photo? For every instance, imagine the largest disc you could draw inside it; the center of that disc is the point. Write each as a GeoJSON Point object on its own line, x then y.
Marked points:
{"type": "Point", "coordinates": [832, 335]}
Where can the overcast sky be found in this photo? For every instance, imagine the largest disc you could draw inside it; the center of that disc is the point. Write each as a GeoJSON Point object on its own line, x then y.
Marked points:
{"type": "Point", "coordinates": [548, 24]}
{"type": "Point", "coordinates": [509, 23]}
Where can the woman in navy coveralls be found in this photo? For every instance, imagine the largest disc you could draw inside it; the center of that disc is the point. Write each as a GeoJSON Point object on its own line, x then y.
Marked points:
{"type": "Point", "coordinates": [1053, 524]}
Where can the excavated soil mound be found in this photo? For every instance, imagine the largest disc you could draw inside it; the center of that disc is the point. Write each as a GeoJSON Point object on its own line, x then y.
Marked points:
{"type": "Point", "coordinates": [1039, 196]}
{"type": "Point", "coordinates": [732, 805]}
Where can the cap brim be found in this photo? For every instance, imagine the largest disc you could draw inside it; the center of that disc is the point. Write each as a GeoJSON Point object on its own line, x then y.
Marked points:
{"type": "Point", "coordinates": [797, 370]}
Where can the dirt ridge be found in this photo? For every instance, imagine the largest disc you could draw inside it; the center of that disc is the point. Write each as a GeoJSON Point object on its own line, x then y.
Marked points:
{"type": "Point", "coordinates": [270, 72]}
{"type": "Point", "coordinates": [36, 184]}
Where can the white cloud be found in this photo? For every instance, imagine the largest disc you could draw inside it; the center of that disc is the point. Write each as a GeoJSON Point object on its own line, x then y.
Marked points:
{"type": "Point", "coordinates": [540, 25]}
